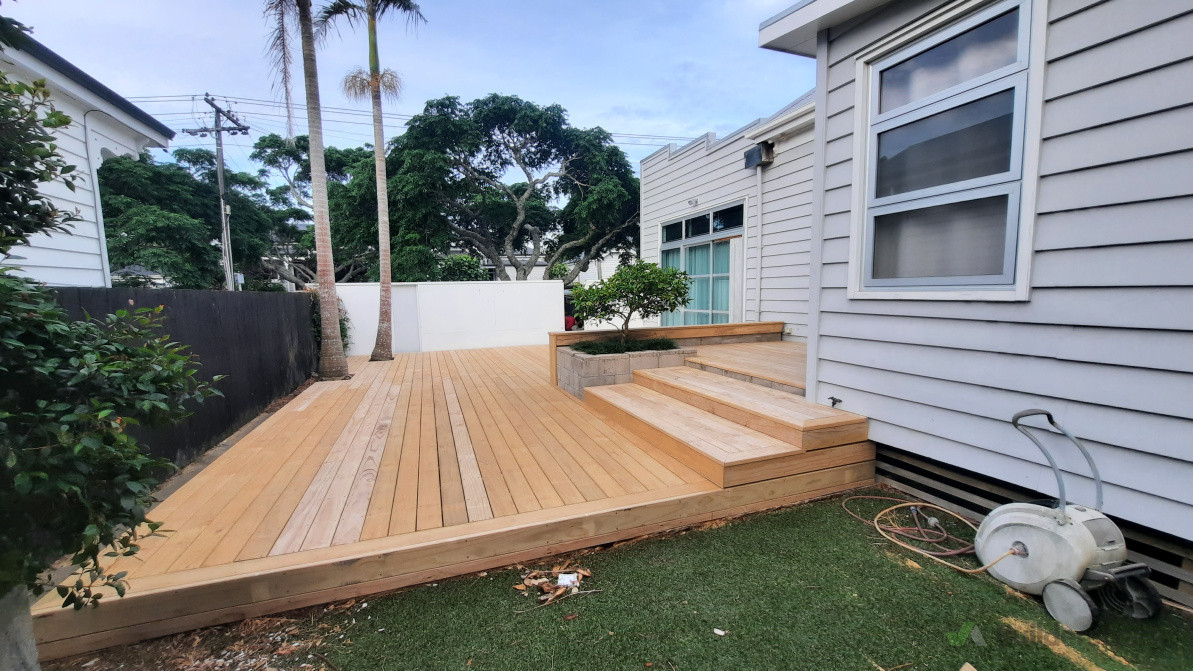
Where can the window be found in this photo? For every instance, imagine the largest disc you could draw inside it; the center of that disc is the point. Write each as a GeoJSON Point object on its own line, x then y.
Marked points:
{"type": "Point", "coordinates": [698, 246]}
{"type": "Point", "coordinates": [945, 157]}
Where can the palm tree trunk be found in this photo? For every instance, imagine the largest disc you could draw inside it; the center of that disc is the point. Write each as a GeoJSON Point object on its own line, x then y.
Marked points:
{"type": "Point", "coordinates": [383, 349]}
{"type": "Point", "coordinates": [333, 365]}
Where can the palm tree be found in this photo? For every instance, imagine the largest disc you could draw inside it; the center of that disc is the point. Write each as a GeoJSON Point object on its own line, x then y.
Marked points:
{"type": "Point", "coordinates": [333, 365]}
{"type": "Point", "coordinates": [375, 84]}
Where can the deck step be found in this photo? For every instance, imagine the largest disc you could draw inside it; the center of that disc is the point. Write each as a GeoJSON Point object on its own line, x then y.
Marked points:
{"type": "Point", "coordinates": [778, 414]}
{"type": "Point", "coordinates": [724, 451]}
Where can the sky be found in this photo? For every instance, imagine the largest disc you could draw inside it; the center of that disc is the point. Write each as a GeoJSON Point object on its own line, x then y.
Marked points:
{"type": "Point", "coordinates": [673, 68]}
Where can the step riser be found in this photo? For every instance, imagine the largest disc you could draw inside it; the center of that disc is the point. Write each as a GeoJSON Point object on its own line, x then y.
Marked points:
{"type": "Point", "coordinates": [807, 440]}
{"type": "Point", "coordinates": [762, 382]}
{"type": "Point", "coordinates": [769, 469]}
{"type": "Point", "coordinates": [740, 473]}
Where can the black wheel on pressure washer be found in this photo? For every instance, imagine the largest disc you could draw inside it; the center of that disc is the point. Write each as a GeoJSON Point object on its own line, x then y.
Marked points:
{"type": "Point", "coordinates": [1134, 596]}
{"type": "Point", "coordinates": [1069, 605]}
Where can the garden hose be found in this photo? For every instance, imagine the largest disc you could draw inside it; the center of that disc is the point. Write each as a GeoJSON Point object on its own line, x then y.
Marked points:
{"type": "Point", "coordinates": [934, 535]}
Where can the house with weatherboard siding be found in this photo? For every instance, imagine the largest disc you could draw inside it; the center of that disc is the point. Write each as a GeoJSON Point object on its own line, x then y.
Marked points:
{"type": "Point", "coordinates": [1000, 218]}
{"type": "Point", "coordinates": [738, 225]}
{"type": "Point", "coordinates": [104, 125]}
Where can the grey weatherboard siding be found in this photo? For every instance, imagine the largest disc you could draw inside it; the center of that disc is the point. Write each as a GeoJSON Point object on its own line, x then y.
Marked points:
{"type": "Point", "coordinates": [1105, 340]}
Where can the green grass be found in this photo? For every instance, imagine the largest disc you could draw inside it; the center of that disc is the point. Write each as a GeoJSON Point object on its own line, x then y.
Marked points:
{"type": "Point", "coordinates": [803, 588]}
{"type": "Point", "coordinates": [618, 347]}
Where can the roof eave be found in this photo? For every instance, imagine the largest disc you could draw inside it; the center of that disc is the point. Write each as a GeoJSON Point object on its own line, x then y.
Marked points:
{"type": "Point", "coordinates": [159, 133]}
{"type": "Point", "coordinates": [794, 29]}
{"type": "Point", "coordinates": [794, 121]}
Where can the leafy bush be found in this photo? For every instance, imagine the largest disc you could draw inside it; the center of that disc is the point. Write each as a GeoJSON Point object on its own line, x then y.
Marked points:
{"type": "Point", "coordinates": [462, 268]}
{"type": "Point", "coordinates": [72, 480]}
{"type": "Point", "coordinates": [642, 289]}
{"type": "Point", "coordinates": [556, 272]}
{"type": "Point", "coordinates": [29, 156]}
{"type": "Point", "coordinates": [317, 321]}
{"type": "Point", "coordinates": [621, 347]}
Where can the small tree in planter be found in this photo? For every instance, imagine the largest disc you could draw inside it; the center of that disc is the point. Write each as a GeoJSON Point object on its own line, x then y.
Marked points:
{"type": "Point", "coordinates": [642, 289]}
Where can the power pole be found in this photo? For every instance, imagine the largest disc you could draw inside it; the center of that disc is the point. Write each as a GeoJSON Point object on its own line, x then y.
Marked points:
{"type": "Point", "coordinates": [218, 129]}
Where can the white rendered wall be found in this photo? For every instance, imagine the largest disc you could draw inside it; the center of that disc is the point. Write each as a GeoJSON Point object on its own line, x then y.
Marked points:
{"type": "Point", "coordinates": [431, 316]}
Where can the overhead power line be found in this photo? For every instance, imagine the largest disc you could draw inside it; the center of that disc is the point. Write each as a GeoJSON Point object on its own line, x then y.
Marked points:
{"type": "Point", "coordinates": [261, 102]}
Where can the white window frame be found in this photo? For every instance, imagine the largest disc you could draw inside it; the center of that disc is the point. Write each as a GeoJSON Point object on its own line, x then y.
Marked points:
{"type": "Point", "coordinates": [712, 236]}
{"type": "Point", "coordinates": [1025, 77]}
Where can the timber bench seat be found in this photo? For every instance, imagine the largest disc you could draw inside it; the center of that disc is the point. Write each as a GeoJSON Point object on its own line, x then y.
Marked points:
{"type": "Point", "coordinates": [729, 431]}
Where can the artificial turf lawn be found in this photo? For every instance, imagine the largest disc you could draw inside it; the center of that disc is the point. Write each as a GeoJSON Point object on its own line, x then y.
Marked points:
{"type": "Point", "coordinates": [803, 588]}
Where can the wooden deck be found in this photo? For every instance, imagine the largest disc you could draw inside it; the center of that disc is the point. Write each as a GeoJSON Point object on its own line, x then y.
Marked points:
{"type": "Point", "coordinates": [780, 362]}
{"type": "Point", "coordinates": [434, 464]}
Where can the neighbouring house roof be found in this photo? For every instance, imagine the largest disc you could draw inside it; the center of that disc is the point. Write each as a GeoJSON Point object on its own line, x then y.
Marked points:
{"type": "Point", "coordinates": [138, 270]}
{"type": "Point", "coordinates": [754, 129]}
{"type": "Point", "coordinates": [794, 29]}
{"type": "Point", "coordinates": [69, 70]}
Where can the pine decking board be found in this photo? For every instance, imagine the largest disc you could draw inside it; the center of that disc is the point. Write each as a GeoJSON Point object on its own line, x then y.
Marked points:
{"type": "Point", "coordinates": [596, 437]}
{"type": "Point", "coordinates": [354, 511]}
{"type": "Point", "coordinates": [779, 361]}
{"type": "Point", "coordinates": [541, 486]}
{"type": "Point", "coordinates": [430, 504]}
{"type": "Point", "coordinates": [294, 534]}
{"type": "Point", "coordinates": [780, 406]}
{"type": "Point", "coordinates": [403, 517]}
{"type": "Point", "coordinates": [451, 485]}
{"type": "Point", "coordinates": [571, 481]}
{"type": "Point", "coordinates": [443, 446]}
{"type": "Point", "coordinates": [380, 503]}
{"type": "Point", "coordinates": [497, 492]}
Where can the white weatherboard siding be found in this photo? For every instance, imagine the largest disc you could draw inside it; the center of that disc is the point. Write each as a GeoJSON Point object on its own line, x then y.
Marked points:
{"type": "Point", "coordinates": [1106, 339]}
{"type": "Point", "coordinates": [99, 131]}
{"type": "Point", "coordinates": [710, 171]}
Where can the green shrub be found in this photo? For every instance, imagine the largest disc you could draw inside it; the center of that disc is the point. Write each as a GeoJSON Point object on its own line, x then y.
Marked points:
{"type": "Point", "coordinates": [72, 480]}
{"type": "Point", "coordinates": [462, 268]}
{"type": "Point", "coordinates": [317, 321]}
{"type": "Point", "coordinates": [621, 347]}
{"type": "Point", "coordinates": [642, 289]}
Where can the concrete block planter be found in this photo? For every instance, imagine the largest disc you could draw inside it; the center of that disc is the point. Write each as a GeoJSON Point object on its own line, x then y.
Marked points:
{"type": "Point", "coordinates": [577, 370]}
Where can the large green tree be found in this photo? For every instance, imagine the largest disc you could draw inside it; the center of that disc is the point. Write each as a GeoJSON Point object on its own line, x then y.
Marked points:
{"type": "Point", "coordinates": [165, 216]}
{"type": "Point", "coordinates": [373, 84]}
{"type": "Point", "coordinates": [497, 168]}
{"type": "Point", "coordinates": [417, 235]}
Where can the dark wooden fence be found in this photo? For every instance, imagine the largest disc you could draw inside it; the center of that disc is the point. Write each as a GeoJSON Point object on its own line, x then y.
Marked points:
{"type": "Point", "coordinates": [262, 341]}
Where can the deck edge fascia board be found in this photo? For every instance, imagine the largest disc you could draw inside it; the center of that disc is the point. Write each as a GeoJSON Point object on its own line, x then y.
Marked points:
{"type": "Point", "coordinates": [265, 580]}
{"type": "Point", "coordinates": [597, 528]}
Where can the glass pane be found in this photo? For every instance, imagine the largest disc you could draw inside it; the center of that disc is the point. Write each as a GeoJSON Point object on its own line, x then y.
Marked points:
{"type": "Point", "coordinates": [697, 226]}
{"type": "Point", "coordinates": [698, 260]}
{"type": "Point", "coordinates": [720, 317]}
{"type": "Point", "coordinates": [732, 217]}
{"type": "Point", "coordinates": [670, 258]}
{"type": "Point", "coordinates": [720, 258]}
{"type": "Point", "coordinates": [670, 319]}
{"type": "Point", "coordinates": [698, 297]}
{"type": "Point", "coordinates": [972, 140]}
{"type": "Point", "coordinates": [673, 232]}
{"type": "Point", "coordinates": [971, 54]}
{"type": "Point", "coordinates": [720, 293]}
{"type": "Point", "coordinates": [690, 317]}
{"type": "Point", "coordinates": [954, 240]}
